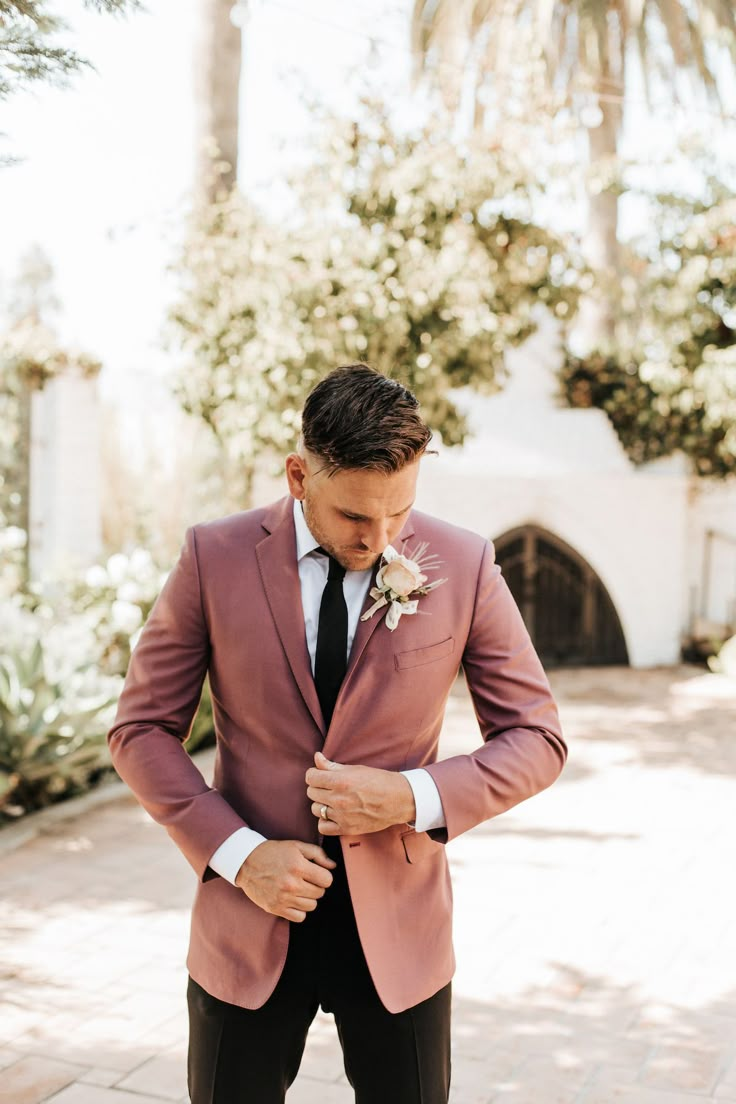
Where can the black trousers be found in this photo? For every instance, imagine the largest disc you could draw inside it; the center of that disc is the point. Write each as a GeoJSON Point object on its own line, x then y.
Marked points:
{"type": "Point", "coordinates": [251, 1056]}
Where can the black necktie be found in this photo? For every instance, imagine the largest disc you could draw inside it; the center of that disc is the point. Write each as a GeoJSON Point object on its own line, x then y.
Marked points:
{"type": "Point", "coordinates": [331, 661]}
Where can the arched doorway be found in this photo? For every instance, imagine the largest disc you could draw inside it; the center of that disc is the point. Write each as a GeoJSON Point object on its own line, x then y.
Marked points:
{"type": "Point", "coordinates": [566, 608]}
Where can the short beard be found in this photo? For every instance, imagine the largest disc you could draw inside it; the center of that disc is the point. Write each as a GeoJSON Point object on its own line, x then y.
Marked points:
{"type": "Point", "coordinates": [328, 547]}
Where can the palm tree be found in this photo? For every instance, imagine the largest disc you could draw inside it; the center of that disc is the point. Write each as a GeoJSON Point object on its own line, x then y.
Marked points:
{"type": "Point", "coordinates": [217, 65]}
{"type": "Point", "coordinates": [585, 47]}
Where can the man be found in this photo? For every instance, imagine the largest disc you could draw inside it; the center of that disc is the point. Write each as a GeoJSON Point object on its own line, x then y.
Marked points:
{"type": "Point", "coordinates": [319, 848]}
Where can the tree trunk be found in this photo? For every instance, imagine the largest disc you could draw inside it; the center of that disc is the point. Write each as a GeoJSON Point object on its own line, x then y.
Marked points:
{"type": "Point", "coordinates": [597, 314]}
{"type": "Point", "coordinates": [218, 64]}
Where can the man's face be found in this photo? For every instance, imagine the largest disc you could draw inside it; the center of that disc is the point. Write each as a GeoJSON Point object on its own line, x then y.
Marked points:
{"type": "Point", "coordinates": [353, 514]}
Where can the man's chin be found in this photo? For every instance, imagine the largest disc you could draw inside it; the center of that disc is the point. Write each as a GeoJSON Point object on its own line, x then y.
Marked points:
{"type": "Point", "coordinates": [359, 561]}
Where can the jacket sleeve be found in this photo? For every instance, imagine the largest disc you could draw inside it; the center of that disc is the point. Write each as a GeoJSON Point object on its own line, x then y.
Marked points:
{"type": "Point", "coordinates": [523, 750]}
{"type": "Point", "coordinates": [154, 716]}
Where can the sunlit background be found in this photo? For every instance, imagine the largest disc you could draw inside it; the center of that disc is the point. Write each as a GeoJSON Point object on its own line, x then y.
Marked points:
{"type": "Point", "coordinates": [536, 232]}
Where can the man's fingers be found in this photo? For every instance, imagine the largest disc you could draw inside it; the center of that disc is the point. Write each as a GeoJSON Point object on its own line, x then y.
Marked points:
{"type": "Point", "coordinates": [323, 763]}
{"type": "Point", "coordinates": [315, 854]}
{"type": "Point", "coordinates": [328, 827]}
{"type": "Point", "coordinates": [324, 780]}
{"type": "Point", "coordinates": [296, 915]}
{"type": "Point", "coordinates": [318, 794]}
{"type": "Point", "coordinates": [317, 876]}
{"type": "Point", "coordinates": [304, 904]}
{"type": "Point", "coordinates": [310, 889]}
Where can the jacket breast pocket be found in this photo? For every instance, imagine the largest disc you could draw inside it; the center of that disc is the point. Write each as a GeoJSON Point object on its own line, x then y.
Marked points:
{"type": "Point", "coordinates": [419, 656]}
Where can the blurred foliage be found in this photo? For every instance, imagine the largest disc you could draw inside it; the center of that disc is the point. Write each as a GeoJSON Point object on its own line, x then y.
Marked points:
{"type": "Point", "coordinates": [202, 733]}
{"type": "Point", "coordinates": [65, 645]}
{"type": "Point", "coordinates": [55, 707]}
{"type": "Point", "coordinates": [403, 252]}
{"type": "Point", "coordinates": [30, 49]}
{"type": "Point", "coordinates": [579, 47]}
{"type": "Point", "coordinates": [65, 641]}
{"type": "Point", "coordinates": [724, 662]}
{"type": "Point", "coordinates": [113, 600]}
{"type": "Point", "coordinates": [671, 381]}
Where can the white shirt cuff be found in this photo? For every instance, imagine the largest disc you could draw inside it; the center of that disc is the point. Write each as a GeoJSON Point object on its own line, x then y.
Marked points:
{"type": "Point", "coordinates": [230, 855]}
{"type": "Point", "coordinates": [430, 813]}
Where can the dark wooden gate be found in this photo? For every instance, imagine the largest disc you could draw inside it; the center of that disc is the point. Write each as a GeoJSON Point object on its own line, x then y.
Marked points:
{"type": "Point", "coordinates": [566, 608]}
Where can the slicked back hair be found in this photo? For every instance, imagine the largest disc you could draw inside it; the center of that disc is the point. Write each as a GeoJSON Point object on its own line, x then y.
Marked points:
{"type": "Point", "coordinates": [358, 418]}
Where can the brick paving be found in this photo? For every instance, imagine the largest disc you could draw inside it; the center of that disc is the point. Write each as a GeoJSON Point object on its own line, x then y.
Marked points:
{"type": "Point", "coordinates": [595, 926]}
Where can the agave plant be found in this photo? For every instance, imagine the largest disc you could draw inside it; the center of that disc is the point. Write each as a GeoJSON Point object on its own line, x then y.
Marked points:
{"type": "Point", "coordinates": [725, 662]}
{"type": "Point", "coordinates": [52, 726]}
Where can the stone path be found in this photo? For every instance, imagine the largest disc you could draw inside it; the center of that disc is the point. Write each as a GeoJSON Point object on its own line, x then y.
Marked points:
{"type": "Point", "coordinates": [595, 926]}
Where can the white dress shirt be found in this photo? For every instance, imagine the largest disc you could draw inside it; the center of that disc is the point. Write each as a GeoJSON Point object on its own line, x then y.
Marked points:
{"type": "Point", "coordinates": [313, 567]}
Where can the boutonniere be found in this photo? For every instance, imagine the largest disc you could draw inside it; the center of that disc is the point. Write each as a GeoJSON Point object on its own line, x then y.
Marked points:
{"type": "Point", "coordinates": [400, 578]}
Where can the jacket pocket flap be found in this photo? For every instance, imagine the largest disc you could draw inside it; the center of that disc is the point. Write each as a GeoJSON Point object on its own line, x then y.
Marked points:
{"type": "Point", "coordinates": [414, 658]}
{"type": "Point", "coordinates": [418, 845]}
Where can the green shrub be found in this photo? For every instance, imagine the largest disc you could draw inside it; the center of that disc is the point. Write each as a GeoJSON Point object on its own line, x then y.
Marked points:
{"type": "Point", "coordinates": [65, 646]}
{"type": "Point", "coordinates": [202, 734]}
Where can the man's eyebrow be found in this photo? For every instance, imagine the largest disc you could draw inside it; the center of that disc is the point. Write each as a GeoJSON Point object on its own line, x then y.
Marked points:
{"type": "Point", "coordinates": [362, 517]}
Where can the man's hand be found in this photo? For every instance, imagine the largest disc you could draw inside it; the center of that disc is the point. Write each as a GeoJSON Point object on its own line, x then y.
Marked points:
{"type": "Point", "coordinates": [286, 877]}
{"type": "Point", "coordinates": [358, 799]}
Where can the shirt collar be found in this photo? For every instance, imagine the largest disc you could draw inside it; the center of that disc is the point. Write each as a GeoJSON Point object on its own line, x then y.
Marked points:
{"type": "Point", "coordinates": [305, 542]}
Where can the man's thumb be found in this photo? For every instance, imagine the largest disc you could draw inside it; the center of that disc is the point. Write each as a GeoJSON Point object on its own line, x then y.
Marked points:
{"type": "Point", "coordinates": [324, 763]}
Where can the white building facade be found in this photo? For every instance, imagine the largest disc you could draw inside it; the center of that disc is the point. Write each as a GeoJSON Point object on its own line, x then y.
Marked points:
{"type": "Point", "coordinates": [609, 563]}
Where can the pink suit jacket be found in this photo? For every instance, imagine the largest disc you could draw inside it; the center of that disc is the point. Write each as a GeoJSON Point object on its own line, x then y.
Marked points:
{"type": "Point", "coordinates": [232, 606]}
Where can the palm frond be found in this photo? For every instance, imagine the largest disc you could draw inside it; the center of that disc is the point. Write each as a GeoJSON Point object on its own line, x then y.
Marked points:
{"type": "Point", "coordinates": [442, 28]}
{"type": "Point", "coordinates": [482, 13]}
{"type": "Point", "coordinates": [420, 33]}
{"type": "Point", "coordinates": [583, 42]}
{"type": "Point", "coordinates": [634, 12]}
{"type": "Point", "coordinates": [697, 49]}
{"type": "Point", "coordinates": [114, 7]}
{"type": "Point", "coordinates": [642, 42]}
{"type": "Point", "coordinates": [544, 13]}
{"type": "Point", "coordinates": [672, 14]}
{"type": "Point", "coordinates": [718, 15]}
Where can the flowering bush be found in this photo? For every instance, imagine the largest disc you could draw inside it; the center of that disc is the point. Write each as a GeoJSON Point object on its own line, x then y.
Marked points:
{"type": "Point", "coordinates": [670, 383]}
{"type": "Point", "coordinates": [403, 252]}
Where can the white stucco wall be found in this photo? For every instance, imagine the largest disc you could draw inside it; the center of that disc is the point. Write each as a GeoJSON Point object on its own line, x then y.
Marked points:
{"type": "Point", "coordinates": [534, 462]}
{"type": "Point", "coordinates": [712, 592]}
{"type": "Point", "coordinates": [633, 541]}
{"type": "Point", "coordinates": [65, 522]}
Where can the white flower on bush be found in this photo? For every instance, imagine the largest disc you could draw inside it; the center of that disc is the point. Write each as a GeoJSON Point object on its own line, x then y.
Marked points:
{"type": "Point", "coordinates": [117, 568]}
{"type": "Point", "coordinates": [126, 617]}
{"type": "Point", "coordinates": [12, 538]}
{"type": "Point", "coordinates": [96, 577]}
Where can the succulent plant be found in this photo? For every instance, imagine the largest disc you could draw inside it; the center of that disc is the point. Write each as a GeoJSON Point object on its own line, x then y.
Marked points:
{"type": "Point", "coordinates": [52, 726]}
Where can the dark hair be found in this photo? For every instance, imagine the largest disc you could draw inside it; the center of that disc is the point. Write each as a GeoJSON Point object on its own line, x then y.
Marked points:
{"type": "Point", "coordinates": [358, 418]}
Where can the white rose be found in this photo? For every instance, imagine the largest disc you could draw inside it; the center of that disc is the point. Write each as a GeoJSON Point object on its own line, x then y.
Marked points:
{"type": "Point", "coordinates": [402, 576]}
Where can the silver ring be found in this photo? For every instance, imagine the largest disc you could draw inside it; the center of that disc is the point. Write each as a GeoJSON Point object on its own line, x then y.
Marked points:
{"type": "Point", "coordinates": [323, 812]}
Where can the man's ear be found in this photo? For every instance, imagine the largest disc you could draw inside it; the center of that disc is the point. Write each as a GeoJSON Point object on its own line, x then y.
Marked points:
{"type": "Point", "coordinates": [295, 467]}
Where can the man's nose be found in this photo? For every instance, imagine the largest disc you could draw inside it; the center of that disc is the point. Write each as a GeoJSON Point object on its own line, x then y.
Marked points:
{"type": "Point", "coordinates": [376, 538]}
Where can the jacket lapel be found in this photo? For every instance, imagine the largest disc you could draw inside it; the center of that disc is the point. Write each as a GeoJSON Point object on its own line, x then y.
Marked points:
{"type": "Point", "coordinates": [277, 563]}
{"type": "Point", "coordinates": [276, 556]}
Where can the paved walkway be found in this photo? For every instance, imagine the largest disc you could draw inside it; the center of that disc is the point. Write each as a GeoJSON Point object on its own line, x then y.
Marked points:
{"type": "Point", "coordinates": [595, 927]}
